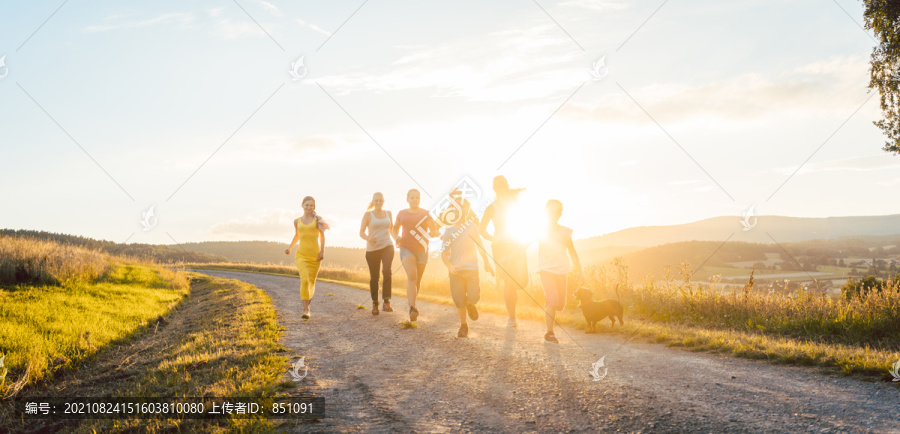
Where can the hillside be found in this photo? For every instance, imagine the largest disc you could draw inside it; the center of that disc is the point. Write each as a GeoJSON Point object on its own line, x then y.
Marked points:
{"type": "Point", "coordinates": [782, 229]}
{"type": "Point", "coordinates": [152, 252]}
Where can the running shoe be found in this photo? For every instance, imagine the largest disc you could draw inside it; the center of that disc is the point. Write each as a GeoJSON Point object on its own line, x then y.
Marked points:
{"type": "Point", "coordinates": [413, 314]}
{"type": "Point", "coordinates": [463, 331]}
{"type": "Point", "coordinates": [305, 316]}
{"type": "Point", "coordinates": [473, 313]}
{"type": "Point", "coordinates": [551, 338]}
{"type": "Point", "coordinates": [387, 306]}
{"type": "Point", "coordinates": [375, 309]}
{"type": "Point", "coordinates": [512, 323]}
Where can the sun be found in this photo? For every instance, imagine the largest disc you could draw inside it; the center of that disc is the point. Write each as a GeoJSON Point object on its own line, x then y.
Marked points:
{"type": "Point", "coordinates": [526, 221]}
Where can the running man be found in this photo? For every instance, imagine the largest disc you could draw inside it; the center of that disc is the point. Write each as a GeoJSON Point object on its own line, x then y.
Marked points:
{"type": "Point", "coordinates": [460, 241]}
{"type": "Point", "coordinates": [509, 254]}
{"type": "Point", "coordinates": [554, 250]}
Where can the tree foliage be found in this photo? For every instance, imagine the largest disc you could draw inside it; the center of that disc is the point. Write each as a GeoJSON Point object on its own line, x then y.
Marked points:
{"type": "Point", "coordinates": [883, 17]}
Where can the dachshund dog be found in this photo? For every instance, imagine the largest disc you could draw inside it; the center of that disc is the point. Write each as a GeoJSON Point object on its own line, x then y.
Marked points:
{"type": "Point", "coordinates": [596, 311]}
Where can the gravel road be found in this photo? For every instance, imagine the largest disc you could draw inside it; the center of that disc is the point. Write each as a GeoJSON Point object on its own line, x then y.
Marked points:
{"type": "Point", "coordinates": [377, 376]}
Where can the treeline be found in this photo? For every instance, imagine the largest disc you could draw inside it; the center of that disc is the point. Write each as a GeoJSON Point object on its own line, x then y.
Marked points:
{"type": "Point", "coordinates": [270, 252]}
{"type": "Point", "coordinates": [147, 252]}
{"type": "Point", "coordinates": [654, 260]}
{"type": "Point", "coordinates": [820, 251]}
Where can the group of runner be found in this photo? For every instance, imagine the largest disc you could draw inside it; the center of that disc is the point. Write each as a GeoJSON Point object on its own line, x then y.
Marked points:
{"type": "Point", "coordinates": [462, 243]}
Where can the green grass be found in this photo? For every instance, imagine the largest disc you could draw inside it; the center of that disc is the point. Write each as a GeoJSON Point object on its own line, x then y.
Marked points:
{"type": "Point", "coordinates": [45, 329]}
{"type": "Point", "coordinates": [224, 344]}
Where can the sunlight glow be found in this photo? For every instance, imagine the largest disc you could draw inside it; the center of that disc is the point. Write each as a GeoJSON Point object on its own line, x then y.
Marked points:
{"type": "Point", "coordinates": [527, 221]}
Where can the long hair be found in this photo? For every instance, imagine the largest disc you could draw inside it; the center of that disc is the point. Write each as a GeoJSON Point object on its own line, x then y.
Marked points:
{"type": "Point", "coordinates": [502, 190]}
{"type": "Point", "coordinates": [372, 202]}
{"type": "Point", "coordinates": [320, 222]}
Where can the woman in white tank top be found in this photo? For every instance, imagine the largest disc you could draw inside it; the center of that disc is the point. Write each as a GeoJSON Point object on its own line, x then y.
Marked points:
{"type": "Point", "coordinates": [376, 229]}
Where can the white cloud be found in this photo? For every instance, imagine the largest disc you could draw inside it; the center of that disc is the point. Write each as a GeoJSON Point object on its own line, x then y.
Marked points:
{"type": "Point", "coordinates": [281, 149]}
{"type": "Point", "coordinates": [270, 8]}
{"type": "Point", "coordinates": [231, 30]}
{"type": "Point", "coordinates": [597, 5]}
{"type": "Point", "coordinates": [263, 224]}
{"type": "Point", "coordinates": [835, 85]}
{"type": "Point", "coordinates": [853, 164]}
{"type": "Point", "coordinates": [534, 62]}
{"type": "Point", "coordinates": [314, 27]}
{"type": "Point", "coordinates": [214, 12]}
{"type": "Point", "coordinates": [181, 18]}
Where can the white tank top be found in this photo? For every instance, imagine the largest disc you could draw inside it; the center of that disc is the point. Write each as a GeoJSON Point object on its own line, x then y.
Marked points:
{"type": "Point", "coordinates": [379, 232]}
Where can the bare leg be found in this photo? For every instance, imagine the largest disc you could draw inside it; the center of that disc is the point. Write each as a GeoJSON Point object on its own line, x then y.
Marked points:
{"type": "Point", "coordinates": [462, 316]}
{"type": "Point", "coordinates": [411, 268]}
{"type": "Point", "coordinates": [511, 296]}
{"type": "Point", "coordinates": [550, 317]}
{"type": "Point", "coordinates": [420, 271]}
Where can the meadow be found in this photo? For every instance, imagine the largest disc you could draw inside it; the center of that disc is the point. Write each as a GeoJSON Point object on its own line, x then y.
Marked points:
{"type": "Point", "coordinates": [858, 334]}
{"type": "Point", "coordinates": [80, 322]}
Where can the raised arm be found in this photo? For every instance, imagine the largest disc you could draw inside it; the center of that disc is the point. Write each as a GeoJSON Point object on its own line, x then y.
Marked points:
{"type": "Point", "coordinates": [570, 246]}
{"type": "Point", "coordinates": [485, 219]}
{"type": "Point", "coordinates": [293, 241]}
{"type": "Point", "coordinates": [482, 251]}
{"type": "Point", "coordinates": [363, 225]}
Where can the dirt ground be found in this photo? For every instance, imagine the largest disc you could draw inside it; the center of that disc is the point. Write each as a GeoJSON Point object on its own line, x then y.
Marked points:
{"type": "Point", "coordinates": [377, 376]}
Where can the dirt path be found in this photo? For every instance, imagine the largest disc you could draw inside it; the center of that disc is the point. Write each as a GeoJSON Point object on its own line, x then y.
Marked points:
{"type": "Point", "coordinates": [376, 376]}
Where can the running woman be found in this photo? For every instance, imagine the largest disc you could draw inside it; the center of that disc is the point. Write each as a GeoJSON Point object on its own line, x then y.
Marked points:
{"type": "Point", "coordinates": [509, 254]}
{"type": "Point", "coordinates": [309, 235]}
{"type": "Point", "coordinates": [379, 249]}
{"type": "Point", "coordinates": [460, 241]}
{"type": "Point", "coordinates": [417, 226]}
{"type": "Point", "coordinates": [554, 250]}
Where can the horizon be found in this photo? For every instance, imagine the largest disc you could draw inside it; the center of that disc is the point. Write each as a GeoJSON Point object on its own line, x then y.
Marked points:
{"type": "Point", "coordinates": [192, 109]}
{"type": "Point", "coordinates": [737, 225]}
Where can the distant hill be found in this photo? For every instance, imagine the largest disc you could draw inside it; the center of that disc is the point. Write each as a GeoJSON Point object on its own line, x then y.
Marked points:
{"type": "Point", "coordinates": [153, 252]}
{"type": "Point", "coordinates": [270, 252]}
{"type": "Point", "coordinates": [782, 229]}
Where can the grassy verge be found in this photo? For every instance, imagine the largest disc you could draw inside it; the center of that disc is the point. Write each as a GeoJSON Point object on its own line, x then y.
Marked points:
{"type": "Point", "coordinates": [221, 341]}
{"type": "Point", "coordinates": [859, 336]}
{"type": "Point", "coordinates": [49, 329]}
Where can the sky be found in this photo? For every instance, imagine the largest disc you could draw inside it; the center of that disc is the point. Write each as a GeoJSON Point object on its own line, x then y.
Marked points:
{"type": "Point", "coordinates": [632, 113]}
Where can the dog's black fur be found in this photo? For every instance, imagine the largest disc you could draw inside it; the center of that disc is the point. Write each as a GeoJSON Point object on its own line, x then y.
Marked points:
{"type": "Point", "coordinates": [596, 311]}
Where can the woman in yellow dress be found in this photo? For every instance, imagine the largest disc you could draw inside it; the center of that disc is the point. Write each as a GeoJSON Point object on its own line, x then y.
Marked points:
{"type": "Point", "coordinates": [309, 235]}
